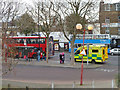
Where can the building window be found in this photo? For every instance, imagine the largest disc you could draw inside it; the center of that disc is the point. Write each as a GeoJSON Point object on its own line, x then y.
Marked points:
{"type": "Point", "coordinates": [119, 31]}
{"type": "Point", "coordinates": [107, 31]}
{"type": "Point", "coordinates": [107, 20]}
{"type": "Point", "coordinates": [117, 7]}
{"type": "Point", "coordinates": [118, 18]}
{"type": "Point", "coordinates": [107, 7]}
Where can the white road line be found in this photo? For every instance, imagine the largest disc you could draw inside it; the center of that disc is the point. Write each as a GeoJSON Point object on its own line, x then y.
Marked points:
{"type": "Point", "coordinates": [105, 70]}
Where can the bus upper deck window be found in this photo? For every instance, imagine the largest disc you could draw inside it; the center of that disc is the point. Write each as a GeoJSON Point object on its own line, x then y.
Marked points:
{"type": "Point", "coordinates": [21, 41]}
{"type": "Point", "coordinates": [28, 41]}
{"type": "Point", "coordinates": [33, 41]}
{"type": "Point", "coordinates": [42, 40]}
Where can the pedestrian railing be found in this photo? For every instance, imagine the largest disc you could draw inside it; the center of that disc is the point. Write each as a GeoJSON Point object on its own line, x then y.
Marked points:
{"type": "Point", "coordinates": [93, 84]}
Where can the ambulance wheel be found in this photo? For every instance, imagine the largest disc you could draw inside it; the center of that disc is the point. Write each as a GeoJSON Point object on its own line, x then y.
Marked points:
{"type": "Point", "coordinates": [93, 62]}
{"type": "Point", "coordinates": [75, 60]}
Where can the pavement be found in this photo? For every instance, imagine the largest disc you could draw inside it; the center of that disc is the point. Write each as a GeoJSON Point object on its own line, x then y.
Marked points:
{"type": "Point", "coordinates": [56, 63]}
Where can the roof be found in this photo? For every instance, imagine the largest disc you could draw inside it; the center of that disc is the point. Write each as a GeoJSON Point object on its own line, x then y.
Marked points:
{"type": "Point", "coordinates": [26, 37]}
{"type": "Point", "coordinates": [92, 46]}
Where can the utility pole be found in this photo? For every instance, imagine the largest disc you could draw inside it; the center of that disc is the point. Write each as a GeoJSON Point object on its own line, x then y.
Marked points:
{"type": "Point", "coordinates": [87, 52]}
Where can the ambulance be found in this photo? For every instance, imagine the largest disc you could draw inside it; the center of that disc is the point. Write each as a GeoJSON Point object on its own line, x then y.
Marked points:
{"type": "Point", "coordinates": [95, 53]}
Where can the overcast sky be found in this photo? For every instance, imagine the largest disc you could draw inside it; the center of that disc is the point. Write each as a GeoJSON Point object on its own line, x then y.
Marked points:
{"type": "Point", "coordinates": [106, 1]}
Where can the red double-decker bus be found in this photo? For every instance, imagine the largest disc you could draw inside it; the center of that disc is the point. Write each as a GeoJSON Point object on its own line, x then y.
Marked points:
{"type": "Point", "coordinates": [31, 44]}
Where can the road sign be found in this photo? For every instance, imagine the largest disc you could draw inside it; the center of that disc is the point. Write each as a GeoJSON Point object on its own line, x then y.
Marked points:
{"type": "Point", "coordinates": [83, 52]}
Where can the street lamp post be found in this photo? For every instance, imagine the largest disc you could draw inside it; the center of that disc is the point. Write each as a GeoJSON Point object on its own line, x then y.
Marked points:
{"type": "Point", "coordinates": [79, 27]}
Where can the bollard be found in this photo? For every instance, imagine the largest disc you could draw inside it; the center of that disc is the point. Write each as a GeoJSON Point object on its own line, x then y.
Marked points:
{"type": "Point", "coordinates": [93, 84]}
{"type": "Point", "coordinates": [27, 88]}
{"type": "Point", "coordinates": [52, 85]}
{"type": "Point", "coordinates": [73, 85]}
{"type": "Point", "coordinates": [83, 82]}
{"type": "Point", "coordinates": [8, 86]}
{"type": "Point", "coordinates": [87, 62]}
{"type": "Point", "coordinates": [112, 83]}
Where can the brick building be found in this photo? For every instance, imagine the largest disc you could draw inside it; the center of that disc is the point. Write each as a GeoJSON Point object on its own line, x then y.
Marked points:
{"type": "Point", "coordinates": [109, 18]}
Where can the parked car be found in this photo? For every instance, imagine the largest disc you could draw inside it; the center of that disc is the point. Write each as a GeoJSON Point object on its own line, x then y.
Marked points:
{"type": "Point", "coordinates": [115, 51]}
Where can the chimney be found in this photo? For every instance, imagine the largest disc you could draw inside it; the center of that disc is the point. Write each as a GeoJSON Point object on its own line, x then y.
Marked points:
{"type": "Point", "coordinates": [101, 8]}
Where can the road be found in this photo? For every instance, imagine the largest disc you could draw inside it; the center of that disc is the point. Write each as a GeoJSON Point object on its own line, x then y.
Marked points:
{"type": "Point", "coordinates": [40, 73]}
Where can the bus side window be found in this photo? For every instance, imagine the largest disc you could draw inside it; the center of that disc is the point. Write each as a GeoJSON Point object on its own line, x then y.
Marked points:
{"type": "Point", "coordinates": [15, 40]}
{"type": "Point", "coordinates": [28, 41]}
{"type": "Point", "coordinates": [42, 41]}
{"type": "Point", "coordinates": [78, 52]}
{"type": "Point", "coordinates": [21, 41]}
{"type": "Point", "coordinates": [37, 41]}
{"type": "Point", "coordinates": [33, 41]}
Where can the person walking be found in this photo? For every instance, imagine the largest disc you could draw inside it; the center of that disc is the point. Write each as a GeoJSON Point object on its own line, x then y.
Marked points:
{"type": "Point", "coordinates": [60, 58]}
{"type": "Point", "coordinates": [25, 54]}
{"type": "Point", "coordinates": [43, 56]}
{"type": "Point", "coordinates": [63, 57]}
{"type": "Point", "coordinates": [38, 53]}
{"type": "Point", "coordinates": [29, 59]}
{"type": "Point", "coordinates": [17, 55]}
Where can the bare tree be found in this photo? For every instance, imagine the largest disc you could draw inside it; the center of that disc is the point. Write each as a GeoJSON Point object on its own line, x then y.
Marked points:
{"type": "Point", "coordinates": [26, 24]}
{"type": "Point", "coordinates": [72, 13]}
{"type": "Point", "coordinates": [9, 11]}
{"type": "Point", "coordinates": [46, 19]}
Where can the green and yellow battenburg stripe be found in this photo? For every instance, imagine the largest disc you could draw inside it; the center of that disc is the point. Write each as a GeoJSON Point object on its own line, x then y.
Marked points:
{"type": "Point", "coordinates": [100, 56]}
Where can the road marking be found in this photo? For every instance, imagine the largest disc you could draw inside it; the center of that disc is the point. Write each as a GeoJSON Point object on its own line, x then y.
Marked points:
{"type": "Point", "coordinates": [105, 70]}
